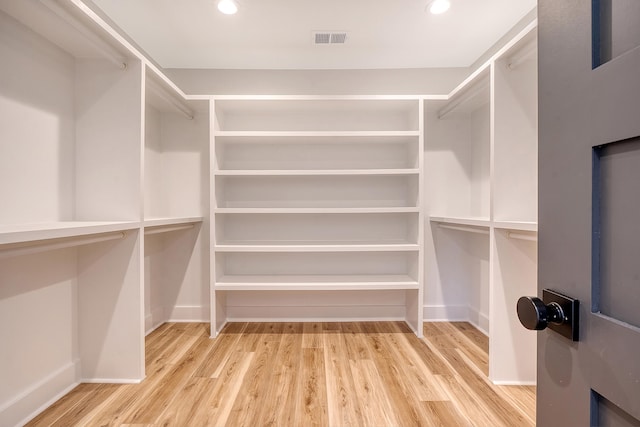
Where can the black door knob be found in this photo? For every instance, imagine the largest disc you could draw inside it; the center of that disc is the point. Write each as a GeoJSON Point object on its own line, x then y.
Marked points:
{"type": "Point", "coordinates": [536, 315]}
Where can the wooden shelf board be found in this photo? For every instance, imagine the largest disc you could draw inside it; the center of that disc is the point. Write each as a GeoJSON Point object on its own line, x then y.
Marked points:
{"type": "Point", "coordinates": [516, 225]}
{"type": "Point", "coordinates": [315, 282]}
{"type": "Point", "coordinates": [316, 172]}
{"type": "Point", "coordinates": [474, 222]}
{"type": "Point", "coordinates": [311, 134]}
{"type": "Point", "coordinates": [298, 246]}
{"type": "Point", "coordinates": [315, 210]}
{"type": "Point", "coordinates": [158, 222]}
{"type": "Point", "coordinates": [18, 233]}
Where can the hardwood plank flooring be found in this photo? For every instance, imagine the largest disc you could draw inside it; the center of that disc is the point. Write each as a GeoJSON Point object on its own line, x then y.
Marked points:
{"type": "Point", "coordinates": [304, 374]}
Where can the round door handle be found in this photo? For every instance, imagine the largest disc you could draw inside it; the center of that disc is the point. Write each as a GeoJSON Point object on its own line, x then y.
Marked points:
{"type": "Point", "coordinates": [535, 315]}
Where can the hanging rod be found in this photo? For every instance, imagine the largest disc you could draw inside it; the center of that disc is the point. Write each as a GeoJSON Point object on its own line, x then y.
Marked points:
{"type": "Point", "coordinates": [465, 228]}
{"type": "Point", "coordinates": [28, 248]}
{"type": "Point", "coordinates": [462, 99]}
{"type": "Point", "coordinates": [166, 229]}
{"type": "Point", "coordinates": [108, 51]}
{"type": "Point", "coordinates": [522, 55]}
{"type": "Point", "coordinates": [522, 236]}
{"type": "Point", "coordinates": [168, 97]}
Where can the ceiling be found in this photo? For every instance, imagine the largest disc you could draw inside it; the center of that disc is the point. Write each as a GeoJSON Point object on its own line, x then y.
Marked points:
{"type": "Point", "coordinates": [278, 34]}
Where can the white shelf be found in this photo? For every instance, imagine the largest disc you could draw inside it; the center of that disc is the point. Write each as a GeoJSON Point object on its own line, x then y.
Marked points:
{"type": "Point", "coordinates": [318, 172]}
{"type": "Point", "coordinates": [473, 222]}
{"type": "Point", "coordinates": [312, 134]}
{"type": "Point", "coordinates": [19, 233]}
{"type": "Point", "coordinates": [309, 246]}
{"type": "Point", "coordinates": [315, 210]}
{"type": "Point", "coordinates": [516, 225]}
{"type": "Point", "coordinates": [165, 225]}
{"type": "Point", "coordinates": [316, 282]}
{"type": "Point", "coordinates": [159, 222]}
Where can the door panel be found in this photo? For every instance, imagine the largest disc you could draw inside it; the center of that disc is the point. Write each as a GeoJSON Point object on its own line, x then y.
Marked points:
{"type": "Point", "coordinates": [589, 210]}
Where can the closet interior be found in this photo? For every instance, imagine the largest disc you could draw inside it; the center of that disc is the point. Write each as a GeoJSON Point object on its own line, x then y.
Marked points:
{"type": "Point", "coordinates": [128, 204]}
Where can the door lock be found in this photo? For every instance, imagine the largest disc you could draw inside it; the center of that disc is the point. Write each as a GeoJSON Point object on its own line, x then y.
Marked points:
{"type": "Point", "coordinates": [555, 311]}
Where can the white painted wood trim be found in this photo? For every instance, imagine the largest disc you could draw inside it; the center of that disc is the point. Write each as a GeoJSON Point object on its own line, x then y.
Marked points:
{"type": "Point", "coordinates": [39, 395]}
{"type": "Point", "coordinates": [19, 233]}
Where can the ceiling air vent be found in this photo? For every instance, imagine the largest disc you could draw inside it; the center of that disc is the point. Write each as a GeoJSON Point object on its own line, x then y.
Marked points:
{"type": "Point", "coordinates": [328, 37]}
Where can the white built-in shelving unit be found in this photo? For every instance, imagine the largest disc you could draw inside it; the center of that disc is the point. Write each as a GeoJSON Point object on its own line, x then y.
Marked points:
{"type": "Point", "coordinates": [105, 187]}
{"type": "Point", "coordinates": [481, 184]}
{"type": "Point", "coordinates": [317, 195]}
{"type": "Point", "coordinates": [176, 191]}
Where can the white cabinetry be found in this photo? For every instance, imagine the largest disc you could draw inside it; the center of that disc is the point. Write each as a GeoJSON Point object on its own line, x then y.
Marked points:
{"type": "Point", "coordinates": [481, 184]}
{"type": "Point", "coordinates": [318, 195]}
{"type": "Point", "coordinates": [81, 185]}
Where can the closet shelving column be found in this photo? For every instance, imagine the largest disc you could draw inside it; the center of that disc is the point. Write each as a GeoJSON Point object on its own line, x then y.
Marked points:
{"type": "Point", "coordinates": [512, 349]}
{"type": "Point", "coordinates": [457, 141]}
{"type": "Point", "coordinates": [317, 201]}
{"type": "Point", "coordinates": [70, 244]}
{"type": "Point", "coordinates": [481, 163]}
{"type": "Point", "coordinates": [176, 177]}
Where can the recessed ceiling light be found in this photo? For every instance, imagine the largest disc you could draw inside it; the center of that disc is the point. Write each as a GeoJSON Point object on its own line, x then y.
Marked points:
{"type": "Point", "coordinates": [439, 6]}
{"type": "Point", "coordinates": [228, 7]}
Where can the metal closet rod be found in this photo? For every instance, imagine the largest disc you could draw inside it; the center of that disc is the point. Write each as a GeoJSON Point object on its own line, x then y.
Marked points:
{"type": "Point", "coordinates": [37, 246]}
{"type": "Point", "coordinates": [106, 50]}
{"type": "Point", "coordinates": [178, 104]}
{"type": "Point", "coordinates": [465, 228]}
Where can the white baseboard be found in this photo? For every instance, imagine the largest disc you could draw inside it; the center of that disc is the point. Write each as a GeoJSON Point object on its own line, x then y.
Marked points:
{"type": "Point", "coordinates": [112, 380]}
{"type": "Point", "coordinates": [188, 313]}
{"type": "Point", "coordinates": [153, 320]}
{"type": "Point", "coordinates": [527, 383]}
{"type": "Point", "coordinates": [343, 313]}
{"type": "Point", "coordinates": [479, 320]}
{"type": "Point", "coordinates": [456, 313]}
{"type": "Point", "coordinates": [19, 410]}
{"type": "Point", "coordinates": [445, 313]}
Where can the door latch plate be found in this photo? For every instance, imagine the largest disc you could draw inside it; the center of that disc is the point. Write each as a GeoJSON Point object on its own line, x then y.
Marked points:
{"type": "Point", "coordinates": [570, 307]}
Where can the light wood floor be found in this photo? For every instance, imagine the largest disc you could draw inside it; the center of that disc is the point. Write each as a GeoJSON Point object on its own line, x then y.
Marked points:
{"type": "Point", "coordinates": [304, 374]}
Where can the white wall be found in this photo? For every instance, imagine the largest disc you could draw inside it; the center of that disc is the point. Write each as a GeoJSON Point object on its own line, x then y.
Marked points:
{"type": "Point", "coordinates": [318, 82]}
{"type": "Point", "coordinates": [36, 127]}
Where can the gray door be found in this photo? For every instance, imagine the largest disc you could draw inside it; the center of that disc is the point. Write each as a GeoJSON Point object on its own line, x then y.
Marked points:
{"type": "Point", "coordinates": [589, 210]}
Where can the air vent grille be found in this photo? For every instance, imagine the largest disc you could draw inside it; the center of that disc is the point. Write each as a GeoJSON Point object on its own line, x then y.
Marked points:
{"type": "Point", "coordinates": [329, 37]}
{"type": "Point", "coordinates": [323, 38]}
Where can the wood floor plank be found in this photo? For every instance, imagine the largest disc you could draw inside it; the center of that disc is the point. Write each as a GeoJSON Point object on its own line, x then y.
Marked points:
{"type": "Point", "coordinates": [355, 344]}
{"type": "Point", "coordinates": [445, 414]}
{"type": "Point", "coordinates": [227, 388]}
{"type": "Point", "coordinates": [64, 405]}
{"type": "Point", "coordinates": [501, 410]}
{"type": "Point", "coordinates": [311, 406]}
{"type": "Point", "coordinates": [76, 414]}
{"type": "Point", "coordinates": [158, 400]}
{"type": "Point", "coordinates": [343, 406]}
{"type": "Point", "coordinates": [219, 353]}
{"type": "Point", "coordinates": [283, 383]}
{"type": "Point", "coordinates": [187, 410]}
{"type": "Point", "coordinates": [312, 335]}
{"type": "Point", "coordinates": [304, 374]}
{"type": "Point", "coordinates": [254, 390]}
{"type": "Point", "coordinates": [406, 407]}
{"type": "Point", "coordinates": [421, 382]}
{"type": "Point", "coordinates": [371, 394]}
{"type": "Point", "coordinates": [467, 402]}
